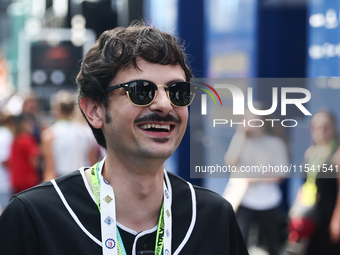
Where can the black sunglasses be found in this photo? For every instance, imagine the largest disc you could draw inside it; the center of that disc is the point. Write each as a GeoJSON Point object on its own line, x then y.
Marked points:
{"type": "Point", "coordinates": [143, 93]}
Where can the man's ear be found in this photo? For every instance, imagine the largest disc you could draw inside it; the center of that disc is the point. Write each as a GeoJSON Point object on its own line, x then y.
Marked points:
{"type": "Point", "coordinates": [93, 111]}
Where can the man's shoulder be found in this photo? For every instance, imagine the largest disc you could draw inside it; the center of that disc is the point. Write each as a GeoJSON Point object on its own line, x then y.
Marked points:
{"type": "Point", "coordinates": [43, 201]}
{"type": "Point", "coordinates": [204, 197]}
{"type": "Point", "coordinates": [35, 219]}
{"type": "Point", "coordinates": [46, 191]}
{"type": "Point", "coordinates": [198, 213]}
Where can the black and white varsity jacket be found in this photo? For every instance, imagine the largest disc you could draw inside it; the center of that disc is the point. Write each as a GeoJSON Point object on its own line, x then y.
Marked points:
{"type": "Point", "coordinates": [41, 221]}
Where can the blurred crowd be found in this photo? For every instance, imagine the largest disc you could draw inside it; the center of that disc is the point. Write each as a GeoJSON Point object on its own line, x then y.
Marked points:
{"type": "Point", "coordinates": [36, 147]}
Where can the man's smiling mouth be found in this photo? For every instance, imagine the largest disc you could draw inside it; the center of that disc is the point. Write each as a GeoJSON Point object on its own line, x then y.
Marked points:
{"type": "Point", "coordinates": [155, 127]}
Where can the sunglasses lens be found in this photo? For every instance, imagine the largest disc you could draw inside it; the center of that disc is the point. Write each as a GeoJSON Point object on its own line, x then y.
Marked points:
{"type": "Point", "coordinates": [142, 92]}
{"type": "Point", "coordinates": [181, 93]}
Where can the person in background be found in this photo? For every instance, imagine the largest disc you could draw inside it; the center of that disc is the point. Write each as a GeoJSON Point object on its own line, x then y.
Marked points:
{"type": "Point", "coordinates": [96, 152]}
{"type": "Point", "coordinates": [66, 145]}
{"type": "Point", "coordinates": [24, 155]}
{"type": "Point", "coordinates": [30, 109]}
{"type": "Point", "coordinates": [323, 187]}
{"type": "Point", "coordinates": [255, 146]}
{"type": "Point", "coordinates": [6, 139]}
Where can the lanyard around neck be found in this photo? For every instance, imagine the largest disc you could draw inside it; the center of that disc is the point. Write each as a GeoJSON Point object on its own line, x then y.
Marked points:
{"type": "Point", "coordinates": [309, 189]}
{"type": "Point", "coordinates": [112, 242]}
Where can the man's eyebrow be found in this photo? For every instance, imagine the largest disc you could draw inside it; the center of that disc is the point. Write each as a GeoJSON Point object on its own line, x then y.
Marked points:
{"type": "Point", "coordinates": [175, 80]}
{"type": "Point", "coordinates": [166, 83]}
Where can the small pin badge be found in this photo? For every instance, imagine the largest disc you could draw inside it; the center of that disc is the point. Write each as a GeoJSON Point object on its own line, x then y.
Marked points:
{"type": "Point", "coordinates": [110, 243]}
{"type": "Point", "coordinates": [167, 213]}
{"type": "Point", "coordinates": [108, 199]}
{"type": "Point", "coordinates": [109, 220]}
{"type": "Point", "coordinates": [166, 194]}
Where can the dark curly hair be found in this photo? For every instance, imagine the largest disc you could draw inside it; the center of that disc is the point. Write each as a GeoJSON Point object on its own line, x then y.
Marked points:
{"type": "Point", "coordinates": [120, 48]}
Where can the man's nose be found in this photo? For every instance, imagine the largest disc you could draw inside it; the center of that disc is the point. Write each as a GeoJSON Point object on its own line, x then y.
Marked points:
{"type": "Point", "coordinates": [162, 103]}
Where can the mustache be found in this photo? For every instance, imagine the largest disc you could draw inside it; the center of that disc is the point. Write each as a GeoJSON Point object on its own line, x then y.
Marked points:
{"type": "Point", "coordinates": [156, 117]}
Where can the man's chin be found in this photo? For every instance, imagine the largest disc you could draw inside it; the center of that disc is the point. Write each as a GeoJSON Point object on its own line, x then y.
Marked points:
{"type": "Point", "coordinates": [159, 153]}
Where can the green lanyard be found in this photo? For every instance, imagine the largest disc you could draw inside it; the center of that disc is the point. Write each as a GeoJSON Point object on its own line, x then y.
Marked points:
{"type": "Point", "coordinates": [95, 183]}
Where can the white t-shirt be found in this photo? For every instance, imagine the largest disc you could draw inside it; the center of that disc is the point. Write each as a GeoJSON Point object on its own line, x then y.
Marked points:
{"type": "Point", "coordinates": [6, 139]}
{"type": "Point", "coordinates": [266, 150]}
{"type": "Point", "coordinates": [70, 146]}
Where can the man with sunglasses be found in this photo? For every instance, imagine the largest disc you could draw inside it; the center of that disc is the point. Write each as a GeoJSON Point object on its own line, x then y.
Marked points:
{"type": "Point", "coordinates": [134, 92]}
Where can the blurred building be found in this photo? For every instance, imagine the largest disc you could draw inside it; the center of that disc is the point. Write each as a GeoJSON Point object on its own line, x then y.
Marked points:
{"type": "Point", "coordinates": [43, 41]}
